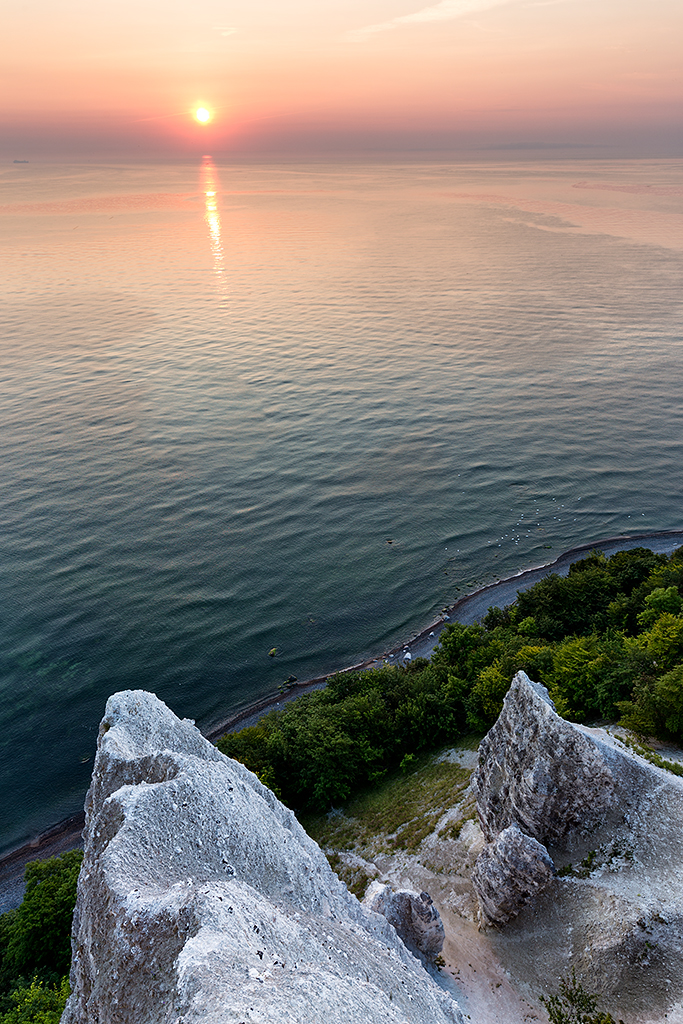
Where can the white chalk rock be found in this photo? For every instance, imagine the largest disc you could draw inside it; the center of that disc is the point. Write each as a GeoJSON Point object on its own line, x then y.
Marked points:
{"type": "Point", "coordinates": [508, 874]}
{"type": "Point", "coordinates": [201, 898]}
{"type": "Point", "coordinates": [612, 823]}
{"type": "Point", "coordinates": [412, 914]}
{"type": "Point", "coordinates": [538, 770]}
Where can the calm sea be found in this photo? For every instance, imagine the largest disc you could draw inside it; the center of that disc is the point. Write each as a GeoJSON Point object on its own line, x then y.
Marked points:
{"type": "Point", "coordinates": [225, 389]}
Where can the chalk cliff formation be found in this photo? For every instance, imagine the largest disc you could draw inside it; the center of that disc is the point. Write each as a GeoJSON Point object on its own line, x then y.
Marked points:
{"type": "Point", "coordinates": [412, 914]}
{"type": "Point", "coordinates": [202, 899]}
{"type": "Point", "coordinates": [612, 822]}
{"type": "Point", "coordinates": [538, 770]}
{"type": "Point", "coordinates": [539, 779]}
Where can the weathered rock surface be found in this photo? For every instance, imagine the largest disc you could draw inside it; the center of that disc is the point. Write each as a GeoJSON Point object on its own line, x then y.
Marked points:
{"type": "Point", "coordinates": [413, 915]}
{"type": "Point", "coordinates": [201, 898]}
{"type": "Point", "coordinates": [538, 770]}
{"type": "Point", "coordinates": [612, 822]}
{"type": "Point", "coordinates": [508, 873]}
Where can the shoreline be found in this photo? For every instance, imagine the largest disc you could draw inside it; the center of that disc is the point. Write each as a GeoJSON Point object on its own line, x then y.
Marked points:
{"type": "Point", "coordinates": [467, 610]}
{"type": "Point", "coordinates": [66, 834]}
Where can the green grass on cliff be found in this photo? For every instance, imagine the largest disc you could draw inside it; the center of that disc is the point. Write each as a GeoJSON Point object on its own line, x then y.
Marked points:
{"type": "Point", "coordinates": [398, 813]}
{"type": "Point", "coordinates": [393, 816]}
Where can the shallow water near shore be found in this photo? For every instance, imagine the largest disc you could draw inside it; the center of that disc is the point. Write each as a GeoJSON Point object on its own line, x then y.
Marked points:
{"type": "Point", "coordinates": [305, 408]}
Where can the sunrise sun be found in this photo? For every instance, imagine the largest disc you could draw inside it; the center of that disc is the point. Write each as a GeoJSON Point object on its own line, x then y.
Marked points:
{"type": "Point", "coordinates": [202, 115]}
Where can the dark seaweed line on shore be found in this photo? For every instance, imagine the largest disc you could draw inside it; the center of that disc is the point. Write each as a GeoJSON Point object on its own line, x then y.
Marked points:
{"type": "Point", "coordinates": [74, 824]}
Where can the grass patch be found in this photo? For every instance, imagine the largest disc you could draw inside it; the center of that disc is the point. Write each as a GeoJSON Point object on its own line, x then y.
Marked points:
{"type": "Point", "coordinates": [395, 815]}
{"type": "Point", "coordinates": [411, 835]}
{"type": "Point", "coordinates": [454, 828]}
{"type": "Point", "coordinates": [653, 757]}
{"type": "Point", "coordinates": [470, 742]}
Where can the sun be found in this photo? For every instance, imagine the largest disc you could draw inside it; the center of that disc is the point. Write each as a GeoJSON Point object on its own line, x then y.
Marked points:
{"type": "Point", "coordinates": [202, 115]}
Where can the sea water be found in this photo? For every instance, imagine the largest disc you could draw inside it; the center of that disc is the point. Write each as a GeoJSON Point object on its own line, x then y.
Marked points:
{"type": "Point", "coordinates": [305, 408]}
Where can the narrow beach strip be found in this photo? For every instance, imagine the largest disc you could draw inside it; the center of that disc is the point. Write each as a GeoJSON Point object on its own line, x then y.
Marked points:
{"type": "Point", "coordinates": [66, 835]}
{"type": "Point", "coordinates": [468, 609]}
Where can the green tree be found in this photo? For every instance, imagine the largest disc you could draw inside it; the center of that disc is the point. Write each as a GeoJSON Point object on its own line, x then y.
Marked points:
{"type": "Point", "coordinates": [566, 605]}
{"type": "Point", "coordinates": [35, 939]}
{"type": "Point", "coordinates": [664, 641]}
{"type": "Point", "coordinates": [669, 701]}
{"type": "Point", "coordinates": [574, 676]}
{"type": "Point", "coordinates": [466, 649]}
{"type": "Point", "coordinates": [661, 599]}
{"type": "Point", "coordinates": [590, 674]}
{"type": "Point", "coordinates": [37, 1003]}
{"type": "Point", "coordinates": [485, 701]}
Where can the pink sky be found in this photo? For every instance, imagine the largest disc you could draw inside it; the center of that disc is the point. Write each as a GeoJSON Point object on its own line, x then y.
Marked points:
{"type": "Point", "coordinates": [121, 77]}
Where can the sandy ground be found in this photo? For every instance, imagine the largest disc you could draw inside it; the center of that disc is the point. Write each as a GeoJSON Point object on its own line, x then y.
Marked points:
{"type": "Point", "coordinates": [473, 972]}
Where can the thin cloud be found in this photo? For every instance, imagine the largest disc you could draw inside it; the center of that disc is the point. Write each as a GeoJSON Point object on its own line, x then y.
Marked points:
{"type": "Point", "coordinates": [447, 10]}
{"type": "Point", "coordinates": [225, 30]}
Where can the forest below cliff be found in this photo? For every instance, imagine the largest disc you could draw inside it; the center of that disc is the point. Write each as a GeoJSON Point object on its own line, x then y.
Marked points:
{"type": "Point", "coordinates": [606, 640]}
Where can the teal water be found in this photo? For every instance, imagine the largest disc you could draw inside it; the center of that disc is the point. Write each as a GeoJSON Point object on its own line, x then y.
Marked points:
{"type": "Point", "coordinates": [226, 388]}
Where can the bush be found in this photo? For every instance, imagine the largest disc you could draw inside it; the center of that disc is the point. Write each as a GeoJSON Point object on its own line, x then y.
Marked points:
{"type": "Point", "coordinates": [573, 1005]}
{"type": "Point", "coordinates": [35, 939]}
{"type": "Point", "coordinates": [37, 1004]}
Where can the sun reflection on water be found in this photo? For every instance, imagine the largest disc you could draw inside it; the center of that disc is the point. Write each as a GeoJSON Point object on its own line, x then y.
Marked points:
{"type": "Point", "coordinates": [210, 186]}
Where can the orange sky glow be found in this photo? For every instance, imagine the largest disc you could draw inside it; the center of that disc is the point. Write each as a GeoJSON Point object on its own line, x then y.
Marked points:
{"type": "Point", "coordinates": [600, 77]}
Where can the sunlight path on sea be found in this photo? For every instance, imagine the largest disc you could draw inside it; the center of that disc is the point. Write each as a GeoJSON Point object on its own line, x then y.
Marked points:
{"type": "Point", "coordinates": [306, 408]}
